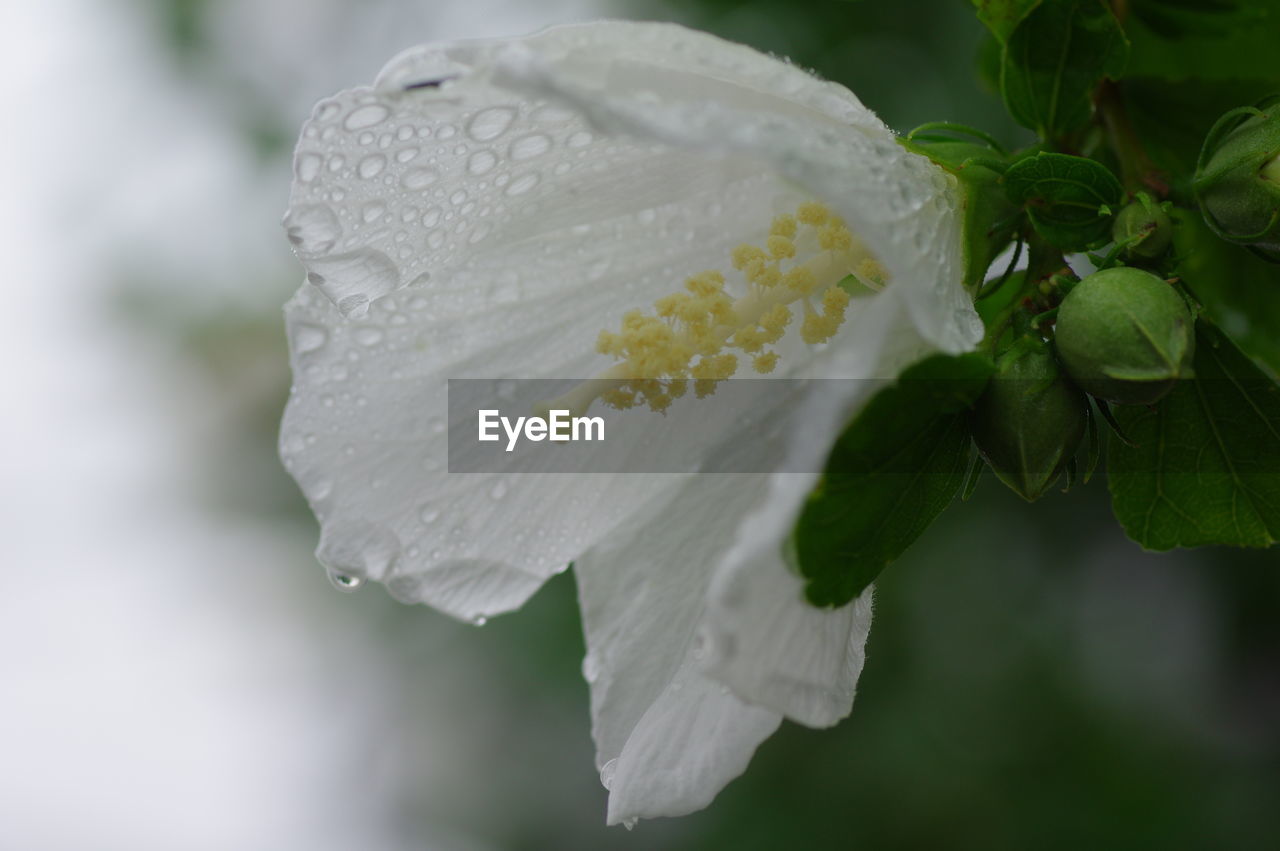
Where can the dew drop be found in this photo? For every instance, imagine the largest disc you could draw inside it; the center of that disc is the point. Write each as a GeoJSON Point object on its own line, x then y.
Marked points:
{"type": "Point", "coordinates": [481, 162]}
{"type": "Point", "coordinates": [490, 123]}
{"type": "Point", "coordinates": [523, 184]}
{"type": "Point", "coordinates": [365, 274]}
{"type": "Point", "coordinates": [405, 154]}
{"type": "Point", "coordinates": [336, 162]}
{"type": "Point", "coordinates": [313, 229]}
{"type": "Point", "coordinates": [327, 111]}
{"type": "Point", "coordinates": [366, 116]}
{"type": "Point", "coordinates": [498, 491]}
{"type": "Point", "coordinates": [479, 620]}
{"type": "Point", "coordinates": [429, 515]}
{"type": "Point", "coordinates": [309, 338]}
{"type": "Point", "coordinates": [606, 773]}
{"type": "Point", "coordinates": [528, 147]}
{"type": "Point", "coordinates": [579, 140]}
{"type": "Point", "coordinates": [345, 583]}
{"type": "Point", "coordinates": [307, 167]}
{"type": "Point", "coordinates": [419, 178]}
{"type": "Point", "coordinates": [371, 166]}
{"type": "Point", "coordinates": [368, 336]}
{"type": "Point", "coordinates": [373, 211]}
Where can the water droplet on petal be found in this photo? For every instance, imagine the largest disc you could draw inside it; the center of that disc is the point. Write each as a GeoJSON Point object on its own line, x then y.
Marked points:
{"type": "Point", "coordinates": [523, 184]}
{"type": "Point", "coordinates": [367, 336]}
{"type": "Point", "coordinates": [371, 166]}
{"type": "Point", "coordinates": [606, 773]}
{"type": "Point", "coordinates": [312, 228]}
{"type": "Point", "coordinates": [528, 147]}
{"type": "Point", "coordinates": [345, 583]}
{"type": "Point", "coordinates": [366, 116]}
{"type": "Point", "coordinates": [481, 162]}
{"type": "Point", "coordinates": [419, 178]}
{"type": "Point", "coordinates": [498, 491]}
{"type": "Point", "coordinates": [308, 338]}
{"type": "Point", "coordinates": [365, 273]}
{"type": "Point", "coordinates": [307, 167]}
{"type": "Point", "coordinates": [490, 123]}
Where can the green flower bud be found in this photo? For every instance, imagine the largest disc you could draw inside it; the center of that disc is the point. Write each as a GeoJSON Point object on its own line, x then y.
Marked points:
{"type": "Point", "coordinates": [1030, 419]}
{"type": "Point", "coordinates": [1149, 226]}
{"type": "Point", "coordinates": [1238, 178]}
{"type": "Point", "coordinates": [1125, 335]}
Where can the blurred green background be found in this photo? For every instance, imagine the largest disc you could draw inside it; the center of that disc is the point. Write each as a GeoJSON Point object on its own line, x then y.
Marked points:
{"type": "Point", "coordinates": [1033, 680]}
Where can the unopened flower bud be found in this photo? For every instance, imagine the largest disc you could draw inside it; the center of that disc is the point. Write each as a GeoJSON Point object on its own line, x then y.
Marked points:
{"type": "Point", "coordinates": [1030, 419]}
{"type": "Point", "coordinates": [1146, 228]}
{"type": "Point", "coordinates": [1125, 335]}
{"type": "Point", "coordinates": [1238, 179]}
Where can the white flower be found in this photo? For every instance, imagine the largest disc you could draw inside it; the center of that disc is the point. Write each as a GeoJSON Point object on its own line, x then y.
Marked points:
{"type": "Point", "coordinates": [486, 209]}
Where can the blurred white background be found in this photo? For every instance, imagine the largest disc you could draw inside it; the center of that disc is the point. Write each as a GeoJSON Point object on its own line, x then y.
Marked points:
{"type": "Point", "coordinates": [162, 687]}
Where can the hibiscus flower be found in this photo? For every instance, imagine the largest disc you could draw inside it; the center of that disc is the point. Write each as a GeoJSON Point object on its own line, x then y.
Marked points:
{"type": "Point", "coordinates": [655, 207]}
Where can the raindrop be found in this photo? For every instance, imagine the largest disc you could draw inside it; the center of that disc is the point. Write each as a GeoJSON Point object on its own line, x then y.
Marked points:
{"type": "Point", "coordinates": [479, 620]}
{"type": "Point", "coordinates": [313, 229]}
{"type": "Point", "coordinates": [308, 167]}
{"type": "Point", "coordinates": [373, 211]}
{"type": "Point", "coordinates": [308, 338]}
{"type": "Point", "coordinates": [420, 178]}
{"type": "Point", "coordinates": [365, 273]}
{"type": "Point", "coordinates": [498, 491]}
{"type": "Point", "coordinates": [336, 162]}
{"type": "Point", "coordinates": [345, 583]}
{"type": "Point", "coordinates": [481, 162]}
{"type": "Point", "coordinates": [366, 116]}
{"type": "Point", "coordinates": [580, 139]}
{"type": "Point", "coordinates": [591, 673]}
{"type": "Point", "coordinates": [490, 123]}
{"type": "Point", "coordinates": [429, 515]}
{"type": "Point", "coordinates": [523, 184]}
{"type": "Point", "coordinates": [528, 147]}
{"type": "Point", "coordinates": [405, 154]}
{"type": "Point", "coordinates": [367, 336]}
{"type": "Point", "coordinates": [371, 166]}
{"type": "Point", "coordinates": [327, 111]}
{"type": "Point", "coordinates": [606, 773]}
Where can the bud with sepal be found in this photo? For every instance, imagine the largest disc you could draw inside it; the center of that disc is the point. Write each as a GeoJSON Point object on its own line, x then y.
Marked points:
{"type": "Point", "coordinates": [1125, 335]}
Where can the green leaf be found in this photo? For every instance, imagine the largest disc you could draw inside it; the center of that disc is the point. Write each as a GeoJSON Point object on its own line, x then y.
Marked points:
{"type": "Point", "coordinates": [1053, 60]}
{"type": "Point", "coordinates": [1205, 468]}
{"type": "Point", "coordinates": [1066, 197]}
{"type": "Point", "coordinates": [893, 470]}
{"type": "Point", "coordinates": [1238, 291]}
{"type": "Point", "coordinates": [1003, 16]}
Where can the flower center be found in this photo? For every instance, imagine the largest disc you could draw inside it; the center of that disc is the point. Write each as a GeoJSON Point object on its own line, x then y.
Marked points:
{"type": "Point", "coordinates": [700, 332]}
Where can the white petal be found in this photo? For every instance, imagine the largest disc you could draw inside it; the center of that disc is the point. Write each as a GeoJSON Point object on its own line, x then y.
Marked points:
{"type": "Point", "coordinates": [667, 740]}
{"type": "Point", "coordinates": [695, 91]}
{"type": "Point", "coordinates": [764, 640]}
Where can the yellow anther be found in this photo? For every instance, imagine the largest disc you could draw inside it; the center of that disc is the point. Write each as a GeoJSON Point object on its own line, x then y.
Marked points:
{"type": "Point", "coordinates": [835, 237]}
{"type": "Point", "coordinates": [872, 273]}
{"type": "Point", "coordinates": [813, 213]}
{"type": "Point", "coordinates": [834, 301]}
{"type": "Point", "coordinates": [781, 248]}
{"type": "Point", "coordinates": [697, 333]}
{"type": "Point", "coordinates": [776, 319]}
{"type": "Point", "coordinates": [748, 339]}
{"type": "Point", "coordinates": [618, 398]}
{"type": "Point", "coordinates": [744, 255]}
{"type": "Point", "coordinates": [801, 280]}
{"type": "Point", "coordinates": [765, 363]}
{"type": "Point", "coordinates": [764, 276]}
{"type": "Point", "coordinates": [784, 226]}
{"type": "Point", "coordinates": [608, 344]}
{"type": "Point", "coordinates": [708, 283]}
